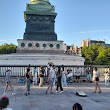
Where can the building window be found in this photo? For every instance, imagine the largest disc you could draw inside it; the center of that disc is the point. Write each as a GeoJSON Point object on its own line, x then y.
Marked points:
{"type": "Point", "coordinates": [58, 46]}
{"type": "Point", "coordinates": [44, 45]}
{"type": "Point", "coordinates": [22, 44]}
{"type": "Point", "coordinates": [30, 45]}
{"type": "Point", "coordinates": [51, 45]}
{"type": "Point", "coordinates": [37, 44]}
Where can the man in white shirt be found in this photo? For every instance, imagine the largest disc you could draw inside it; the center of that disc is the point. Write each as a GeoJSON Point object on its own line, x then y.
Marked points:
{"type": "Point", "coordinates": [51, 79]}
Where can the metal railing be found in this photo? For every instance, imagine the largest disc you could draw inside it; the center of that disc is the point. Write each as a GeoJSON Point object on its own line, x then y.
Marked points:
{"type": "Point", "coordinates": [20, 70]}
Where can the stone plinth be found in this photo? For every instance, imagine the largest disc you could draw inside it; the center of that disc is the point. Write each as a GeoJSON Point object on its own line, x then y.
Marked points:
{"type": "Point", "coordinates": [32, 46]}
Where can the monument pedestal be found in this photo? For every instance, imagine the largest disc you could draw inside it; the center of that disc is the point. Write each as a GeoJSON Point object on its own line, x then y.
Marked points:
{"type": "Point", "coordinates": [39, 45]}
{"type": "Point", "coordinates": [32, 46]}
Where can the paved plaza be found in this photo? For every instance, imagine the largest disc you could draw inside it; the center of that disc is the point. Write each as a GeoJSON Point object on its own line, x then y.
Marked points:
{"type": "Point", "coordinates": [38, 100]}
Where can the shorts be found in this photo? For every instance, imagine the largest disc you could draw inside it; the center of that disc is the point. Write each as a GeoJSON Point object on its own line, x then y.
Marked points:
{"type": "Point", "coordinates": [51, 81]}
{"type": "Point", "coordinates": [88, 76]}
{"type": "Point", "coordinates": [77, 77]}
{"type": "Point", "coordinates": [97, 79]}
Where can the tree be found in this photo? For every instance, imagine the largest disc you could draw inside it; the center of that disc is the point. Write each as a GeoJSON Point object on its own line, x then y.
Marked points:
{"type": "Point", "coordinates": [8, 48]}
{"type": "Point", "coordinates": [96, 54]}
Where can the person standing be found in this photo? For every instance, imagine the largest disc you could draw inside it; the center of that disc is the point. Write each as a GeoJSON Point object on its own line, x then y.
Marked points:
{"type": "Point", "coordinates": [88, 75]}
{"type": "Point", "coordinates": [78, 75]}
{"type": "Point", "coordinates": [51, 79]}
{"type": "Point", "coordinates": [59, 76]}
{"type": "Point", "coordinates": [96, 76]}
{"type": "Point", "coordinates": [35, 76]}
{"type": "Point", "coordinates": [8, 81]}
{"type": "Point", "coordinates": [107, 76]}
{"type": "Point", "coordinates": [64, 79]}
{"type": "Point", "coordinates": [28, 82]}
{"type": "Point", "coordinates": [41, 75]}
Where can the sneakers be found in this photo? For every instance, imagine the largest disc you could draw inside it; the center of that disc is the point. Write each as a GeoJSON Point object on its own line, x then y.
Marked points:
{"type": "Point", "coordinates": [61, 92]}
{"type": "Point", "coordinates": [13, 93]}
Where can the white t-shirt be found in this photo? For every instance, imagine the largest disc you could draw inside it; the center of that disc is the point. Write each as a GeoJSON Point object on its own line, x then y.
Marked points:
{"type": "Point", "coordinates": [96, 74]}
{"type": "Point", "coordinates": [51, 73]}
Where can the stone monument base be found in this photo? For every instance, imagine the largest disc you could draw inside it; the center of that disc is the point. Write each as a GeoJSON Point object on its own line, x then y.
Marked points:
{"type": "Point", "coordinates": [32, 46]}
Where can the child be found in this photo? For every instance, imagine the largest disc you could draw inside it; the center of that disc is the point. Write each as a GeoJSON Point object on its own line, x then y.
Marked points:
{"type": "Point", "coordinates": [4, 102]}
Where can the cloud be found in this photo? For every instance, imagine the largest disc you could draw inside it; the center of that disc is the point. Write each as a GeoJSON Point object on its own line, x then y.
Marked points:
{"type": "Point", "coordinates": [2, 40]}
{"type": "Point", "coordinates": [92, 31]}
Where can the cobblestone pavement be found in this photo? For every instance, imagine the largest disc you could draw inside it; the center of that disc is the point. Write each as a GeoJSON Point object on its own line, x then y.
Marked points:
{"type": "Point", "coordinates": [39, 100]}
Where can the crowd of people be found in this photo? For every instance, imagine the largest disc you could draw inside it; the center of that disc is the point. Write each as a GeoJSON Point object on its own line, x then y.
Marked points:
{"type": "Point", "coordinates": [57, 77]}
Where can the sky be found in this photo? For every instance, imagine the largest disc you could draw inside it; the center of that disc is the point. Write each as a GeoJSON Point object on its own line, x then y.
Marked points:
{"type": "Point", "coordinates": [76, 20]}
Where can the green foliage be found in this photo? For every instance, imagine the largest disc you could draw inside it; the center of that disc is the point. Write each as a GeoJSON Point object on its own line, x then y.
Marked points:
{"type": "Point", "coordinates": [7, 48]}
{"type": "Point", "coordinates": [96, 54]}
